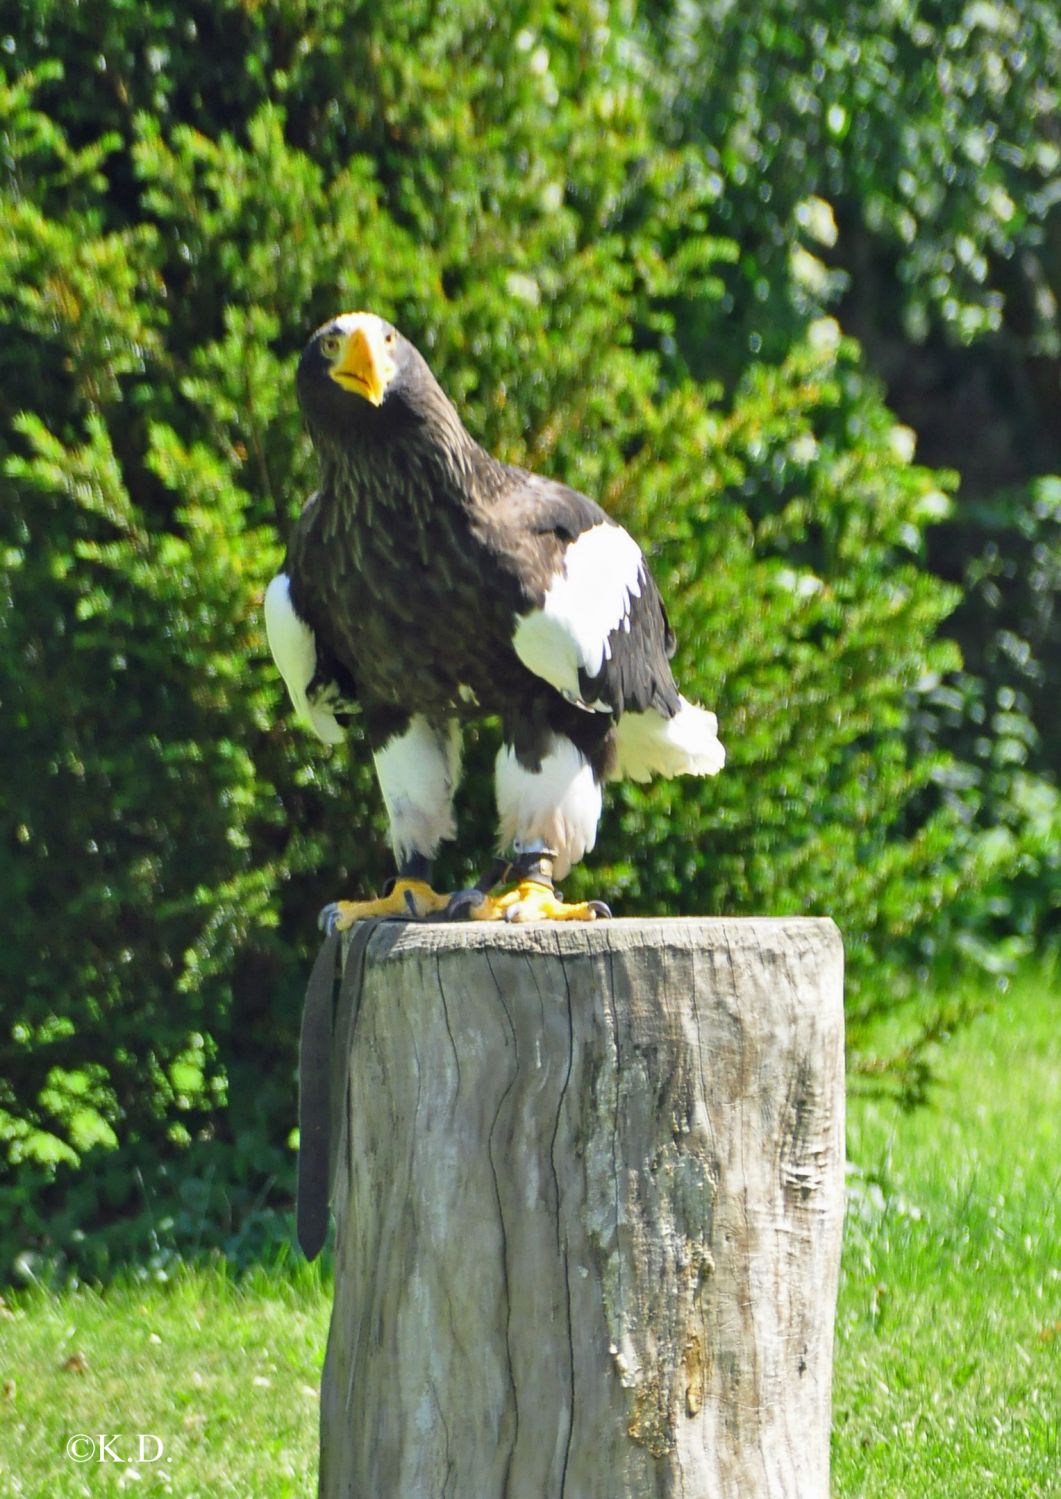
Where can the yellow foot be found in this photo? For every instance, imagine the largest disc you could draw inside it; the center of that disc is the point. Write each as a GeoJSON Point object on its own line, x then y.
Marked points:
{"type": "Point", "coordinates": [412, 899]}
{"type": "Point", "coordinates": [530, 900]}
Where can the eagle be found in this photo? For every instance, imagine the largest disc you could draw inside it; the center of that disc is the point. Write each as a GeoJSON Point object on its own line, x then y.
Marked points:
{"type": "Point", "coordinates": [427, 582]}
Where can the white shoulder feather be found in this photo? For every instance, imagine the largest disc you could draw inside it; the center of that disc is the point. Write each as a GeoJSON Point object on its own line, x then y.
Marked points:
{"type": "Point", "coordinates": [294, 649]}
{"type": "Point", "coordinates": [585, 603]}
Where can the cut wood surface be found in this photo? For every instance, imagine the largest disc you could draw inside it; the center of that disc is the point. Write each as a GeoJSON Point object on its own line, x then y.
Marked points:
{"type": "Point", "coordinates": [589, 1204]}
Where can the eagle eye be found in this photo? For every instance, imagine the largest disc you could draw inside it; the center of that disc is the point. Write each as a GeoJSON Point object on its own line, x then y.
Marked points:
{"type": "Point", "coordinates": [331, 343]}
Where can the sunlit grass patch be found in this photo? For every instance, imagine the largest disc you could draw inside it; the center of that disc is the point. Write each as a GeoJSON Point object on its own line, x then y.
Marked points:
{"type": "Point", "coordinates": [224, 1374]}
{"type": "Point", "coordinates": [948, 1372]}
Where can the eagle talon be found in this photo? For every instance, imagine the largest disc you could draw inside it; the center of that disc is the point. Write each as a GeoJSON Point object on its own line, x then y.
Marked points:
{"type": "Point", "coordinates": [327, 919]}
{"type": "Point", "coordinates": [532, 900]}
{"type": "Point", "coordinates": [406, 900]}
{"type": "Point", "coordinates": [463, 904]}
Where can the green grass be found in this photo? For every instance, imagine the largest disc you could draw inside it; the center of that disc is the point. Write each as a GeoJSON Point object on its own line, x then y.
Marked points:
{"type": "Point", "coordinates": [948, 1367]}
{"type": "Point", "coordinates": [948, 1362]}
{"type": "Point", "coordinates": [226, 1374]}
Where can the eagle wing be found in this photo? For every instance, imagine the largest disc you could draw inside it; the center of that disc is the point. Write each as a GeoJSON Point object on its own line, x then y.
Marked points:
{"type": "Point", "coordinates": [595, 627]}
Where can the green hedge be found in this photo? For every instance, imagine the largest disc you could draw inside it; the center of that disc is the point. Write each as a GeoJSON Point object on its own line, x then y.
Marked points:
{"type": "Point", "coordinates": [188, 190]}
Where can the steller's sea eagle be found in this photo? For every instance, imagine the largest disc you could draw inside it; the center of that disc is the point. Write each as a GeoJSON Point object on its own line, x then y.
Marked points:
{"type": "Point", "coordinates": [426, 582]}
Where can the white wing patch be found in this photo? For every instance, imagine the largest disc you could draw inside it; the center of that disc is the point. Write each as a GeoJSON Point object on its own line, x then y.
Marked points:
{"type": "Point", "coordinates": [585, 603]}
{"type": "Point", "coordinates": [295, 652]}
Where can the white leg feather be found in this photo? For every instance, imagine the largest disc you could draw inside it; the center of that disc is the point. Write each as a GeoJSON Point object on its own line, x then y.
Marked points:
{"type": "Point", "coordinates": [418, 774]}
{"type": "Point", "coordinates": [558, 806]}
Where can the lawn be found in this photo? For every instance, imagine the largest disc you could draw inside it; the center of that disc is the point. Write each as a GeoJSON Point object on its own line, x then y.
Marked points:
{"type": "Point", "coordinates": [948, 1372]}
{"type": "Point", "coordinates": [226, 1376]}
{"type": "Point", "coordinates": [948, 1360]}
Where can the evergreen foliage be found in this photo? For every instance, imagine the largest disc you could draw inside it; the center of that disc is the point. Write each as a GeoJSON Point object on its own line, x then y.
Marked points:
{"type": "Point", "coordinates": [900, 162]}
{"type": "Point", "coordinates": [188, 190]}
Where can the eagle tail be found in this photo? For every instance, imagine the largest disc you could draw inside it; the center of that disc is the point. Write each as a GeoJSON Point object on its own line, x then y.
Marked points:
{"type": "Point", "coordinates": [650, 744]}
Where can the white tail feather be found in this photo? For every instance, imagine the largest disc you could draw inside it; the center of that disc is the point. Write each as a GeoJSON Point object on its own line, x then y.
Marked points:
{"type": "Point", "coordinates": [687, 744]}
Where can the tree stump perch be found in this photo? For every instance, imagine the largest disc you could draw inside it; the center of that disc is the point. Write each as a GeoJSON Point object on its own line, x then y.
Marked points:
{"type": "Point", "coordinates": [589, 1200]}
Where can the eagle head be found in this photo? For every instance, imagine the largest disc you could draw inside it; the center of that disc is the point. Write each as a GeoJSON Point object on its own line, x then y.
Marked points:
{"type": "Point", "coordinates": [358, 352]}
{"type": "Point", "coordinates": [360, 379]}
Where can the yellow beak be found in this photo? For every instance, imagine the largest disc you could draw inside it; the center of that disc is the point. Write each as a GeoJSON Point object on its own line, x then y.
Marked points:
{"type": "Point", "coordinates": [365, 364]}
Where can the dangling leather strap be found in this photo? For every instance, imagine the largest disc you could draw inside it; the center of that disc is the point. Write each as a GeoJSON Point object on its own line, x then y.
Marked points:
{"type": "Point", "coordinates": [323, 1056]}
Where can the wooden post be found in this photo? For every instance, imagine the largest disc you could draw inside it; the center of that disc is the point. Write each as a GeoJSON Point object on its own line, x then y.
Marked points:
{"type": "Point", "coordinates": [589, 1205]}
